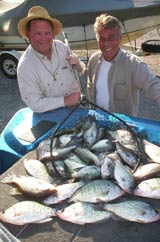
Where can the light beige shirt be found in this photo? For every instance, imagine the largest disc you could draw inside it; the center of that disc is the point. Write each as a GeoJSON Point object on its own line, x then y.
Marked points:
{"type": "Point", "coordinates": [127, 76]}
{"type": "Point", "coordinates": [43, 83]}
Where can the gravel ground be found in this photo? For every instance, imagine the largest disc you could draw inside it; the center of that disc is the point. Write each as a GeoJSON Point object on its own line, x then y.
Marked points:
{"type": "Point", "coordinates": [10, 102]}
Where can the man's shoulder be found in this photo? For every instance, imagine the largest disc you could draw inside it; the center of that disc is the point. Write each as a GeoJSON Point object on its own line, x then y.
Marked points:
{"type": "Point", "coordinates": [58, 42]}
{"type": "Point", "coordinates": [95, 56]}
{"type": "Point", "coordinates": [26, 57]}
{"type": "Point", "coordinates": [129, 54]}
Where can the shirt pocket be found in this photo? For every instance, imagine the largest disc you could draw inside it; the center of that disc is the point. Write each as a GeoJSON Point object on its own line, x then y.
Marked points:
{"type": "Point", "coordinates": [121, 91]}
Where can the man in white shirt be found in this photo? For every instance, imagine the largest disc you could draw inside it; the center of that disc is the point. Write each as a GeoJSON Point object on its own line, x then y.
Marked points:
{"type": "Point", "coordinates": [45, 74]}
{"type": "Point", "coordinates": [116, 77]}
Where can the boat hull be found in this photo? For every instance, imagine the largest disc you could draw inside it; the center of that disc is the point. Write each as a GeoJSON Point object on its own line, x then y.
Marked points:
{"type": "Point", "coordinates": [137, 18]}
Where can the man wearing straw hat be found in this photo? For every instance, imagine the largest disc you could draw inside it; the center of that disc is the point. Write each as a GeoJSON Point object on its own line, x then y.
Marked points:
{"type": "Point", "coordinates": [45, 76]}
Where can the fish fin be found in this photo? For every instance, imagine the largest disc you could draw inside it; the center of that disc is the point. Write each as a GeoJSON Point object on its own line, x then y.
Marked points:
{"type": "Point", "coordinates": [63, 217]}
{"type": "Point", "coordinates": [15, 191]}
{"type": "Point", "coordinates": [117, 218]}
{"type": "Point", "coordinates": [8, 179]}
{"type": "Point", "coordinates": [69, 181]}
{"type": "Point", "coordinates": [44, 220]}
{"type": "Point", "coordinates": [99, 200]}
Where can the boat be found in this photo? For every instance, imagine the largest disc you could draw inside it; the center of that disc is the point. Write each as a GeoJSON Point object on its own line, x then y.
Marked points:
{"type": "Point", "coordinates": [27, 129]}
{"type": "Point", "coordinates": [137, 18]}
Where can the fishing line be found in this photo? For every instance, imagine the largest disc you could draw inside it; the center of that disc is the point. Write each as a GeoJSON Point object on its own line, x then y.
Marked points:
{"type": "Point", "coordinates": [76, 234]}
{"type": "Point", "coordinates": [83, 102]}
{"type": "Point", "coordinates": [141, 150]}
{"type": "Point", "coordinates": [21, 230]}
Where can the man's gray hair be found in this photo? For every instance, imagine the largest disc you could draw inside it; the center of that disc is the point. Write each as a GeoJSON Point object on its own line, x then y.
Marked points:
{"type": "Point", "coordinates": [105, 21]}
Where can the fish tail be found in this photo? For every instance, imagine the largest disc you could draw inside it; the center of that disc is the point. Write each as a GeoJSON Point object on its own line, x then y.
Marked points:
{"type": "Point", "coordinates": [8, 179]}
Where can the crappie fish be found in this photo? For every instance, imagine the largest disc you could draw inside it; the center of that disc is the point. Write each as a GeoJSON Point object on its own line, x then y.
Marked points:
{"type": "Point", "coordinates": [72, 165]}
{"type": "Point", "coordinates": [31, 186]}
{"type": "Point", "coordinates": [68, 140]}
{"type": "Point", "coordinates": [123, 176]}
{"type": "Point", "coordinates": [148, 188]}
{"type": "Point", "coordinates": [103, 145]}
{"type": "Point", "coordinates": [55, 166]}
{"type": "Point", "coordinates": [45, 153]}
{"type": "Point", "coordinates": [90, 130]}
{"type": "Point", "coordinates": [43, 149]}
{"type": "Point", "coordinates": [135, 211]}
{"type": "Point", "coordinates": [59, 153]}
{"type": "Point", "coordinates": [127, 155]}
{"type": "Point", "coordinates": [83, 213]}
{"type": "Point", "coordinates": [87, 156]}
{"type": "Point", "coordinates": [126, 139]}
{"type": "Point", "coordinates": [89, 172]}
{"type": "Point", "coordinates": [64, 192]}
{"type": "Point", "coordinates": [146, 171]}
{"type": "Point", "coordinates": [107, 168]}
{"type": "Point", "coordinates": [27, 212]}
{"type": "Point", "coordinates": [152, 150]}
{"type": "Point", "coordinates": [60, 167]}
{"type": "Point", "coordinates": [65, 139]}
{"type": "Point", "coordinates": [98, 191]}
{"type": "Point", "coordinates": [37, 169]}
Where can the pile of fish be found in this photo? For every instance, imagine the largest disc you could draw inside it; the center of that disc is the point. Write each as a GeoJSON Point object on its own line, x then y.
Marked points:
{"type": "Point", "coordinates": [88, 174]}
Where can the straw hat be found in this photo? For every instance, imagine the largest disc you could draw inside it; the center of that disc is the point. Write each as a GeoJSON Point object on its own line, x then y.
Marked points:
{"type": "Point", "coordinates": [38, 12]}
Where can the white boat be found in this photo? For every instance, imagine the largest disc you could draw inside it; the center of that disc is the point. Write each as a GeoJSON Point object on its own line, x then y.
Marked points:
{"type": "Point", "coordinates": [137, 18]}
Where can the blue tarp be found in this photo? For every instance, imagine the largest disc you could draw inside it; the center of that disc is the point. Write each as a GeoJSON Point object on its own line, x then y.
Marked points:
{"type": "Point", "coordinates": [12, 148]}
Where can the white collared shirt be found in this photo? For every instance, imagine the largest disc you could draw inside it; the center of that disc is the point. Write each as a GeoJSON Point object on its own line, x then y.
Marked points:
{"type": "Point", "coordinates": [37, 86]}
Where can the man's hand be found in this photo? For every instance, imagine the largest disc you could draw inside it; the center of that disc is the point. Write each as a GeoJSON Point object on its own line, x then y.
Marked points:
{"type": "Point", "coordinates": [74, 60]}
{"type": "Point", "coordinates": [72, 99]}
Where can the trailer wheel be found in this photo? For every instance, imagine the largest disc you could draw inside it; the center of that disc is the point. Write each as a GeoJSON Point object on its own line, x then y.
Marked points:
{"type": "Point", "coordinates": [151, 46]}
{"type": "Point", "coordinates": [8, 65]}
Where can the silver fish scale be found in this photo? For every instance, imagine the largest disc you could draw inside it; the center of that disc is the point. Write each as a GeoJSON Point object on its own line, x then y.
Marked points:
{"type": "Point", "coordinates": [148, 188]}
{"type": "Point", "coordinates": [31, 185]}
{"type": "Point", "coordinates": [37, 169]}
{"type": "Point", "coordinates": [152, 150]}
{"type": "Point", "coordinates": [98, 191]}
{"type": "Point", "coordinates": [126, 139]}
{"type": "Point", "coordinates": [90, 172]}
{"type": "Point", "coordinates": [136, 211]}
{"type": "Point", "coordinates": [90, 131]}
{"type": "Point", "coordinates": [127, 155]}
{"type": "Point", "coordinates": [82, 213]}
{"type": "Point", "coordinates": [147, 171]}
{"type": "Point", "coordinates": [124, 178]}
{"type": "Point", "coordinates": [27, 212]}
{"type": "Point", "coordinates": [64, 192]}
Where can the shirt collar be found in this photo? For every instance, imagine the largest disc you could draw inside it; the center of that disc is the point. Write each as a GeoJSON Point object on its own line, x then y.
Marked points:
{"type": "Point", "coordinates": [41, 56]}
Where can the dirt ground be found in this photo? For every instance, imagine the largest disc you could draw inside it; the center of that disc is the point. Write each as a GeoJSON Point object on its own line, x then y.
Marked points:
{"type": "Point", "coordinates": [10, 100]}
